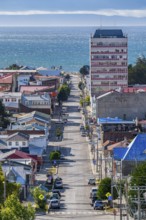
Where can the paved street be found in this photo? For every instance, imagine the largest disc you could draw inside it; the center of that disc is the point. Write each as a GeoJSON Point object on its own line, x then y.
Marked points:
{"type": "Point", "coordinates": [75, 169]}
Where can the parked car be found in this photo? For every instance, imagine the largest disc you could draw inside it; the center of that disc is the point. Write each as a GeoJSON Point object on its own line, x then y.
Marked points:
{"type": "Point", "coordinates": [54, 204]}
{"type": "Point", "coordinates": [59, 122]}
{"type": "Point", "coordinates": [58, 184]}
{"type": "Point", "coordinates": [98, 205]}
{"type": "Point", "coordinates": [93, 192]}
{"type": "Point", "coordinates": [56, 191]}
{"type": "Point", "coordinates": [58, 178]}
{"type": "Point", "coordinates": [55, 196]}
{"type": "Point", "coordinates": [93, 199]}
{"type": "Point", "coordinates": [62, 156]}
{"type": "Point", "coordinates": [83, 134]}
{"type": "Point", "coordinates": [91, 181]}
{"type": "Point", "coordinates": [82, 127]}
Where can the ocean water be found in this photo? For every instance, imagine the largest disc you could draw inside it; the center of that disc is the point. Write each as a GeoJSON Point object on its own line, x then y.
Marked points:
{"type": "Point", "coordinates": [59, 46]}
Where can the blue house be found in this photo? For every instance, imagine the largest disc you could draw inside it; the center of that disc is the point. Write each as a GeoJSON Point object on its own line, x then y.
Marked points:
{"type": "Point", "coordinates": [131, 156]}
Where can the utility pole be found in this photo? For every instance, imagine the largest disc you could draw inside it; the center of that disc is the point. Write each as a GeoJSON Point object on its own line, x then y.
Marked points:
{"type": "Point", "coordinates": [120, 190]}
{"type": "Point", "coordinates": [139, 204]}
{"type": "Point", "coordinates": [4, 186]}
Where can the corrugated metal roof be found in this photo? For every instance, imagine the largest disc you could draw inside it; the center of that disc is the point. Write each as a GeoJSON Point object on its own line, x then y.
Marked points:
{"type": "Point", "coordinates": [115, 120]}
{"type": "Point", "coordinates": [119, 152]}
{"type": "Point", "coordinates": [137, 149]}
{"type": "Point", "coordinates": [107, 33]}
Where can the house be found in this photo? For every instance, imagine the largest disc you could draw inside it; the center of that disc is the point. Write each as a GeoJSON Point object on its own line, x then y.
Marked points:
{"type": "Point", "coordinates": [116, 129]}
{"type": "Point", "coordinates": [23, 80]}
{"type": "Point", "coordinates": [19, 167]}
{"type": "Point", "coordinates": [19, 156]}
{"type": "Point", "coordinates": [31, 121]}
{"type": "Point", "coordinates": [49, 80]}
{"type": "Point", "coordinates": [36, 102]}
{"type": "Point", "coordinates": [22, 139]}
{"type": "Point", "coordinates": [18, 174]}
{"type": "Point", "coordinates": [11, 100]}
{"type": "Point", "coordinates": [131, 156]}
{"type": "Point", "coordinates": [7, 81]}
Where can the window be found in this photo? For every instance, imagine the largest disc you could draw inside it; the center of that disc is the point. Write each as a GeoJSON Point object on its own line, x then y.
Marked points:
{"type": "Point", "coordinates": [10, 143]}
{"type": "Point", "coordinates": [13, 100]}
{"type": "Point", "coordinates": [23, 143]}
{"type": "Point", "coordinates": [17, 143]}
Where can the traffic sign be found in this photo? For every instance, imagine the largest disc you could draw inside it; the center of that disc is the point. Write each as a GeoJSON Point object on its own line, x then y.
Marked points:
{"type": "Point", "coordinates": [108, 194]}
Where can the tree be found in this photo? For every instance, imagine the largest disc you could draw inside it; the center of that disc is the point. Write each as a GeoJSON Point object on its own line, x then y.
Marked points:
{"type": "Point", "coordinates": [87, 100]}
{"type": "Point", "coordinates": [4, 122]}
{"type": "Point", "coordinates": [14, 210]}
{"type": "Point", "coordinates": [81, 85]}
{"type": "Point", "coordinates": [64, 92]}
{"type": "Point", "coordinates": [67, 76]}
{"type": "Point", "coordinates": [11, 188]}
{"type": "Point", "coordinates": [137, 73]}
{"type": "Point", "coordinates": [104, 188]}
{"type": "Point", "coordinates": [39, 196]}
{"type": "Point", "coordinates": [54, 155]}
{"type": "Point", "coordinates": [84, 70]}
{"type": "Point", "coordinates": [14, 67]}
{"type": "Point", "coordinates": [58, 132]}
{"type": "Point", "coordinates": [138, 176]}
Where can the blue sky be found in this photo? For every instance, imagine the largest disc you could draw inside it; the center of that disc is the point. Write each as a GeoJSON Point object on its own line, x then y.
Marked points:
{"type": "Point", "coordinates": [72, 12]}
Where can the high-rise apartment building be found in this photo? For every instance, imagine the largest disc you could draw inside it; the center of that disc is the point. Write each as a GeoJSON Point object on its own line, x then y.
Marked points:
{"type": "Point", "coordinates": [108, 61]}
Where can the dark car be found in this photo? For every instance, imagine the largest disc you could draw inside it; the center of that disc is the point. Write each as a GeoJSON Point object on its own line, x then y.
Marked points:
{"type": "Point", "coordinates": [98, 205]}
{"type": "Point", "coordinates": [58, 179]}
{"type": "Point", "coordinates": [58, 184]}
{"type": "Point", "coordinates": [56, 191]}
{"type": "Point", "coordinates": [93, 199]}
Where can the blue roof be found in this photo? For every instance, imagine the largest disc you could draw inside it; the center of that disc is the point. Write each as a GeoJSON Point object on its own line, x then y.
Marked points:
{"type": "Point", "coordinates": [119, 152]}
{"type": "Point", "coordinates": [115, 120]}
{"type": "Point", "coordinates": [137, 149]}
{"type": "Point", "coordinates": [108, 33]}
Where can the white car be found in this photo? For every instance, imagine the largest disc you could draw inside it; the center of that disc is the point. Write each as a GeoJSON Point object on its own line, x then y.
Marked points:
{"type": "Point", "coordinates": [93, 192]}
{"type": "Point", "coordinates": [54, 204]}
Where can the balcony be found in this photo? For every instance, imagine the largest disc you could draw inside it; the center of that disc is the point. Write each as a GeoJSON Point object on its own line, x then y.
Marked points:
{"type": "Point", "coordinates": [108, 65]}
{"type": "Point", "coordinates": [107, 52]}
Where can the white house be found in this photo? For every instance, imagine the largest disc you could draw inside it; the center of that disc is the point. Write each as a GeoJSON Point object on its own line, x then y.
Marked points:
{"type": "Point", "coordinates": [38, 101]}
{"type": "Point", "coordinates": [11, 100]}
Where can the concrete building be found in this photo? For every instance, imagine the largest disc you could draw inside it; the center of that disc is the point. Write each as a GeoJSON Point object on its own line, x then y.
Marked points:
{"type": "Point", "coordinates": [108, 61]}
{"type": "Point", "coordinates": [123, 105]}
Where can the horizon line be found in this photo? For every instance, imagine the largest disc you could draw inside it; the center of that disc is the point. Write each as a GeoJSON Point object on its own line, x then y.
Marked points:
{"type": "Point", "coordinates": [123, 25]}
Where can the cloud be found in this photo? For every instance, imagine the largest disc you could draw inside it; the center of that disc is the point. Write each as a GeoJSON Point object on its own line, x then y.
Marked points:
{"type": "Point", "coordinates": [105, 12]}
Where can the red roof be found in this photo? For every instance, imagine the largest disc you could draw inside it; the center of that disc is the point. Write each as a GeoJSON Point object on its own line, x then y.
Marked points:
{"type": "Point", "coordinates": [20, 155]}
{"type": "Point", "coordinates": [30, 89]}
{"type": "Point", "coordinates": [134, 89]}
{"type": "Point", "coordinates": [6, 79]}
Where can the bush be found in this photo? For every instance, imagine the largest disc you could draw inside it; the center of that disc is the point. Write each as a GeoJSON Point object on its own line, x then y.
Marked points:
{"type": "Point", "coordinates": [39, 196]}
{"type": "Point", "coordinates": [104, 188]}
{"type": "Point", "coordinates": [54, 155]}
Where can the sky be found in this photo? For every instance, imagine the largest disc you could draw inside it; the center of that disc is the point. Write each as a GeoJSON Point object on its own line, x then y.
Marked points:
{"type": "Point", "coordinates": [72, 12]}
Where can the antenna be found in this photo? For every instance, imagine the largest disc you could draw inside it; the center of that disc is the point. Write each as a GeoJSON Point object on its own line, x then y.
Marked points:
{"type": "Point", "coordinates": [101, 21]}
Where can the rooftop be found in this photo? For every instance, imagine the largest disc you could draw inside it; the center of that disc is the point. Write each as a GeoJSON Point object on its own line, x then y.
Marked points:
{"type": "Point", "coordinates": [108, 33]}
